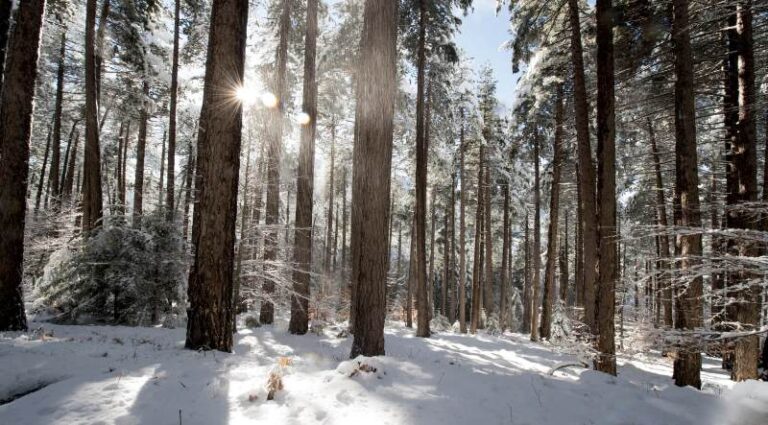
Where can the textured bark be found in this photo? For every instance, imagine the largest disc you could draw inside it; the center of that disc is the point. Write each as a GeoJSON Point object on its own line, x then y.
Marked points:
{"type": "Point", "coordinates": [606, 190]}
{"type": "Point", "coordinates": [331, 196]}
{"type": "Point", "coordinates": [171, 179]}
{"type": "Point", "coordinates": [422, 325]}
{"type": "Point", "coordinates": [16, 108]}
{"type": "Point", "coordinates": [687, 366]}
{"type": "Point", "coordinates": [586, 175]}
{"type": "Point", "coordinates": [302, 250]}
{"type": "Point", "coordinates": [661, 221]}
{"type": "Point", "coordinates": [536, 251]}
{"type": "Point", "coordinates": [563, 266]}
{"type": "Point", "coordinates": [477, 269]}
{"type": "Point", "coordinates": [56, 137]}
{"type": "Point", "coordinates": [505, 258]}
{"type": "Point", "coordinates": [372, 161]}
{"type": "Point", "coordinates": [344, 220]}
{"type": "Point", "coordinates": [412, 279]}
{"type": "Point", "coordinates": [41, 178]}
{"type": "Point", "coordinates": [6, 7]}
{"type": "Point", "coordinates": [160, 194]}
{"type": "Point", "coordinates": [121, 188]}
{"type": "Point", "coordinates": [210, 312]}
{"type": "Point", "coordinates": [579, 274]}
{"type": "Point", "coordinates": [431, 272]}
{"type": "Point", "coordinates": [274, 153]}
{"type": "Point", "coordinates": [189, 174]}
{"type": "Point", "coordinates": [446, 266]}
{"type": "Point", "coordinates": [92, 195]}
{"type": "Point", "coordinates": [554, 210]}
{"type": "Point", "coordinates": [747, 349]}
{"type": "Point", "coordinates": [488, 240]}
{"type": "Point", "coordinates": [452, 291]}
{"type": "Point", "coordinates": [69, 177]}
{"type": "Point", "coordinates": [141, 147]}
{"type": "Point", "coordinates": [462, 233]}
{"type": "Point", "coordinates": [527, 287]}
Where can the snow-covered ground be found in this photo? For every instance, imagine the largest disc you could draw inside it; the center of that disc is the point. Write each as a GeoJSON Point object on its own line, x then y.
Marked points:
{"type": "Point", "coordinates": [121, 375]}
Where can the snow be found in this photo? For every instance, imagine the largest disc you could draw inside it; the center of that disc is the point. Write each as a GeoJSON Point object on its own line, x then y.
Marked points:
{"type": "Point", "coordinates": [121, 375]}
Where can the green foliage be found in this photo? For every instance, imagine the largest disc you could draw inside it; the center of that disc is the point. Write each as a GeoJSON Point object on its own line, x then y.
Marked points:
{"type": "Point", "coordinates": [119, 274]}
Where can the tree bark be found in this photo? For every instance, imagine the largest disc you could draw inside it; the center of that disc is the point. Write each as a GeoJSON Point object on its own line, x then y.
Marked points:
{"type": "Point", "coordinates": [661, 221]}
{"type": "Point", "coordinates": [41, 179]}
{"type": "Point", "coordinates": [302, 251]}
{"type": "Point", "coordinates": [488, 240]}
{"type": "Point", "coordinates": [687, 366]}
{"type": "Point", "coordinates": [586, 175]}
{"type": "Point", "coordinates": [554, 210]}
{"type": "Point", "coordinates": [462, 233]}
{"type": "Point", "coordinates": [141, 147]}
{"type": "Point", "coordinates": [16, 108]}
{"type": "Point", "coordinates": [6, 7]}
{"type": "Point", "coordinates": [171, 179]}
{"type": "Point", "coordinates": [422, 324]}
{"type": "Point", "coordinates": [536, 239]}
{"type": "Point", "coordinates": [92, 195]}
{"type": "Point", "coordinates": [371, 174]}
{"type": "Point", "coordinates": [505, 264]}
{"type": "Point", "coordinates": [527, 286]}
{"type": "Point", "coordinates": [274, 153]}
{"type": "Point", "coordinates": [210, 313]}
{"type": "Point", "coordinates": [747, 349]}
{"type": "Point", "coordinates": [56, 137]}
{"type": "Point", "coordinates": [477, 293]}
{"type": "Point", "coordinates": [606, 190]}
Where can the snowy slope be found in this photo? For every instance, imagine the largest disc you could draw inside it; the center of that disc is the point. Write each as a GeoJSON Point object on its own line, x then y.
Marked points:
{"type": "Point", "coordinates": [119, 375]}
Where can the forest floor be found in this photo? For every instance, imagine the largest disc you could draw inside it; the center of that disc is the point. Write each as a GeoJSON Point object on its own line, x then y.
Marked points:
{"type": "Point", "coordinates": [121, 375]}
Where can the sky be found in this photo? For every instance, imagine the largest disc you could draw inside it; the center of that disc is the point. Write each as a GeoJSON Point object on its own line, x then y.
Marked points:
{"type": "Point", "coordinates": [482, 36]}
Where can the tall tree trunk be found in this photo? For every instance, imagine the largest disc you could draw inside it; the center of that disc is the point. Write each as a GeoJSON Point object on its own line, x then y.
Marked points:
{"type": "Point", "coordinates": [16, 107]}
{"type": "Point", "coordinates": [606, 190]}
{"type": "Point", "coordinates": [160, 194]}
{"type": "Point", "coordinates": [488, 240]}
{"type": "Point", "coordinates": [477, 270]}
{"type": "Point", "coordinates": [462, 233]}
{"type": "Point", "coordinates": [579, 274]}
{"type": "Point", "coordinates": [535, 283]}
{"type": "Point", "coordinates": [661, 221]}
{"type": "Point", "coordinates": [371, 174]}
{"type": "Point", "coordinates": [274, 153]}
{"type": "Point", "coordinates": [69, 177]}
{"type": "Point", "coordinates": [189, 177]}
{"type": "Point", "coordinates": [344, 219]}
{"type": "Point", "coordinates": [554, 210]}
{"type": "Point", "coordinates": [121, 189]}
{"type": "Point", "coordinates": [67, 157]}
{"type": "Point", "coordinates": [92, 196]}
{"type": "Point", "coordinates": [566, 300]}
{"type": "Point", "coordinates": [210, 313]}
{"type": "Point", "coordinates": [412, 279]}
{"type": "Point", "coordinates": [431, 272]}
{"type": "Point", "coordinates": [100, 33]}
{"type": "Point", "coordinates": [331, 196]}
{"type": "Point", "coordinates": [422, 325]}
{"type": "Point", "coordinates": [302, 251]}
{"type": "Point", "coordinates": [141, 147]}
{"type": "Point", "coordinates": [242, 242]}
{"type": "Point", "coordinates": [171, 179]}
{"type": "Point", "coordinates": [527, 284]}
{"type": "Point", "coordinates": [41, 179]}
{"type": "Point", "coordinates": [505, 264]}
{"type": "Point", "coordinates": [687, 366]}
{"type": "Point", "coordinates": [747, 349]}
{"type": "Point", "coordinates": [586, 175]}
{"type": "Point", "coordinates": [452, 291]}
{"type": "Point", "coordinates": [446, 266]}
{"type": "Point", "coordinates": [56, 138]}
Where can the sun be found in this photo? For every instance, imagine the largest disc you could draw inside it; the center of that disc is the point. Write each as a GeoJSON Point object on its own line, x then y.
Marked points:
{"type": "Point", "coordinates": [247, 95]}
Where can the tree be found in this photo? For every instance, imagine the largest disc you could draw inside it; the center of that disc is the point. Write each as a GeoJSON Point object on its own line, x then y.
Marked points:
{"type": "Point", "coordinates": [371, 174]}
{"type": "Point", "coordinates": [56, 136]}
{"type": "Point", "coordinates": [210, 312]}
{"type": "Point", "coordinates": [274, 149]}
{"type": "Point", "coordinates": [92, 191]}
{"type": "Point", "coordinates": [171, 179]}
{"type": "Point", "coordinates": [302, 251]}
{"type": "Point", "coordinates": [552, 233]}
{"type": "Point", "coordinates": [606, 189]}
{"type": "Point", "coordinates": [687, 213]}
{"type": "Point", "coordinates": [16, 107]}
{"type": "Point", "coordinates": [536, 251]}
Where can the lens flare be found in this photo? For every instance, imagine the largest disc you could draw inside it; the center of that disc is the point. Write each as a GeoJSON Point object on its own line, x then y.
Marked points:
{"type": "Point", "coordinates": [303, 118]}
{"type": "Point", "coordinates": [269, 100]}
{"type": "Point", "coordinates": [246, 95]}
